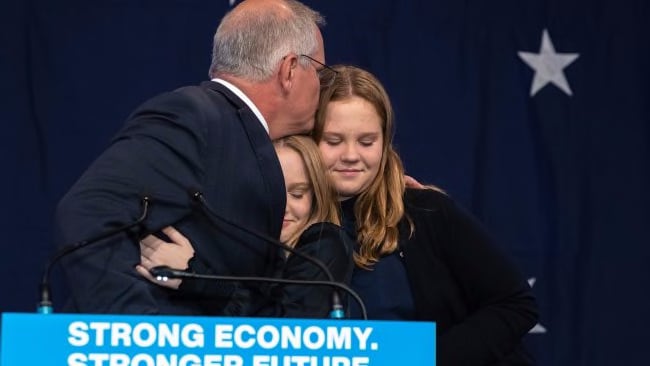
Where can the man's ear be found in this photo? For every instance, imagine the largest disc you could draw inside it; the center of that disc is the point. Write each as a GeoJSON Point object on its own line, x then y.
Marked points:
{"type": "Point", "coordinates": [288, 69]}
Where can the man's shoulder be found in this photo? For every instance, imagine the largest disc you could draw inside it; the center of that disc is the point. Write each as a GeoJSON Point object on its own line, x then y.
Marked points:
{"type": "Point", "coordinates": [206, 92]}
{"type": "Point", "coordinates": [195, 100]}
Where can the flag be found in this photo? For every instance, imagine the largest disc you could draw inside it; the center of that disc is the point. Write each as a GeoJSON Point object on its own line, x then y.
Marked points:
{"type": "Point", "coordinates": [535, 115]}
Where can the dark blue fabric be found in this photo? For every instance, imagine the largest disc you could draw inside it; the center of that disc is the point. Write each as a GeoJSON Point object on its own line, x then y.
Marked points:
{"type": "Point", "coordinates": [384, 287]}
{"type": "Point", "coordinates": [560, 181]}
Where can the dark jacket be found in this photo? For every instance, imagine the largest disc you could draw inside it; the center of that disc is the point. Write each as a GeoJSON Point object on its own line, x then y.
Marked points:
{"type": "Point", "coordinates": [330, 245]}
{"type": "Point", "coordinates": [480, 302]}
{"type": "Point", "coordinates": [322, 242]}
{"type": "Point", "coordinates": [195, 139]}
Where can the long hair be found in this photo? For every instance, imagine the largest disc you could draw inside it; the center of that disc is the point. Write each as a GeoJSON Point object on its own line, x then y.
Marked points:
{"type": "Point", "coordinates": [324, 206]}
{"type": "Point", "coordinates": [249, 43]}
{"type": "Point", "coordinates": [379, 209]}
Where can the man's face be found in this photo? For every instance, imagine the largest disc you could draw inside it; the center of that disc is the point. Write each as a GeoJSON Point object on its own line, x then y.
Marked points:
{"type": "Point", "coordinates": [304, 94]}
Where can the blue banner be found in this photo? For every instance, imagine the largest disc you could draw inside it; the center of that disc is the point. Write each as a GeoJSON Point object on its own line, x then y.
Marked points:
{"type": "Point", "coordinates": [120, 340]}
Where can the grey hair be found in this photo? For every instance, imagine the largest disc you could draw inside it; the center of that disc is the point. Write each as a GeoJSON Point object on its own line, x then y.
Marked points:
{"type": "Point", "coordinates": [251, 44]}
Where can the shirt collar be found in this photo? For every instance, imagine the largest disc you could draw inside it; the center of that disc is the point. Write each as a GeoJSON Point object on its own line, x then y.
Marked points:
{"type": "Point", "coordinates": [246, 100]}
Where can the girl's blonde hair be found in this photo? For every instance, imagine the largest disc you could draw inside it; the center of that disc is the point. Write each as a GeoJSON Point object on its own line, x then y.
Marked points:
{"type": "Point", "coordinates": [378, 209]}
{"type": "Point", "coordinates": [324, 206]}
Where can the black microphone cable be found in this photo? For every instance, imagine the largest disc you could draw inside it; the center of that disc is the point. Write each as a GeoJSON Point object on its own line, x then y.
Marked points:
{"type": "Point", "coordinates": [44, 306]}
{"type": "Point", "coordinates": [337, 306]}
{"type": "Point", "coordinates": [165, 273]}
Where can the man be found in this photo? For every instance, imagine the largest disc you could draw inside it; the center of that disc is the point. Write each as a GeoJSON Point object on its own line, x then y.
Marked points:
{"type": "Point", "coordinates": [214, 139]}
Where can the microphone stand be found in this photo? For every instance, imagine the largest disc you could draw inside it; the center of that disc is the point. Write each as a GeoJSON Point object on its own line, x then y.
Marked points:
{"type": "Point", "coordinates": [337, 306]}
{"type": "Point", "coordinates": [165, 273]}
{"type": "Point", "coordinates": [44, 306]}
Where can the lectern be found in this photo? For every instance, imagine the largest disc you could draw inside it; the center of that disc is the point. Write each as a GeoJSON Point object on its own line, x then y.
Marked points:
{"type": "Point", "coordinates": [151, 340]}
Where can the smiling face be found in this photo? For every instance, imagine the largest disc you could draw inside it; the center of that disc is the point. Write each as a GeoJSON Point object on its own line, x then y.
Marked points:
{"type": "Point", "coordinates": [299, 192]}
{"type": "Point", "coordinates": [351, 145]}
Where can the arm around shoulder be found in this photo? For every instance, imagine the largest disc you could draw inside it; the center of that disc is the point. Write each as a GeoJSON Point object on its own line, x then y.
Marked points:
{"type": "Point", "coordinates": [157, 154]}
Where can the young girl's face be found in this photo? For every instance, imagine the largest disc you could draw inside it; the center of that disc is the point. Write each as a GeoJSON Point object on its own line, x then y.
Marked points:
{"type": "Point", "coordinates": [351, 145]}
{"type": "Point", "coordinates": [299, 192]}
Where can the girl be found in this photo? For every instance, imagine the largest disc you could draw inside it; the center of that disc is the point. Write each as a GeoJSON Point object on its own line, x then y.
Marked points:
{"type": "Point", "coordinates": [419, 256]}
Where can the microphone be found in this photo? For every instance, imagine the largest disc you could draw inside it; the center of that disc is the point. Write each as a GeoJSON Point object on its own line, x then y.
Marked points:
{"type": "Point", "coordinates": [165, 273]}
{"type": "Point", "coordinates": [337, 306]}
{"type": "Point", "coordinates": [44, 306]}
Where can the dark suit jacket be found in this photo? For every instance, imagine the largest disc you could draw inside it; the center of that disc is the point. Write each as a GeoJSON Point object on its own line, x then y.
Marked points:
{"type": "Point", "coordinates": [459, 279]}
{"type": "Point", "coordinates": [198, 138]}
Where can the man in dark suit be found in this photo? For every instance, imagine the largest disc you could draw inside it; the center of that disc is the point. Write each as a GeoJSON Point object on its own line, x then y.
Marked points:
{"type": "Point", "coordinates": [215, 139]}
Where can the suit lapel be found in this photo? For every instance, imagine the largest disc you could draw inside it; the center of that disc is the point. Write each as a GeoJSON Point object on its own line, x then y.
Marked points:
{"type": "Point", "coordinates": [267, 159]}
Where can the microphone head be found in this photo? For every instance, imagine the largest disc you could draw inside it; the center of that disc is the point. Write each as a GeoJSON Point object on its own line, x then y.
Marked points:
{"type": "Point", "coordinates": [162, 273]}
{"type": "Point", "coordinates": [195, 194]}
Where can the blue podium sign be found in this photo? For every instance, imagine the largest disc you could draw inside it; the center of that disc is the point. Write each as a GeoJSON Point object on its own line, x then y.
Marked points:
{"type": "Point", "coordinates": [148, 340]}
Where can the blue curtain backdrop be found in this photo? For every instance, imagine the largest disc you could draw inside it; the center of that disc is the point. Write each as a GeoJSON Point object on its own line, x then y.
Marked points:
{"type": "Point", "coordinates": [559, 174]}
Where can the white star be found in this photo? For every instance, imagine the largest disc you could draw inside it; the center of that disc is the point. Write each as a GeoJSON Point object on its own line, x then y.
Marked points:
{"type": "Point", "coordinates": [548, 65]}
{"type": "Point", "coordinates": [231, 2]}
{"type": "Point", "coordinates": [538, 328]}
